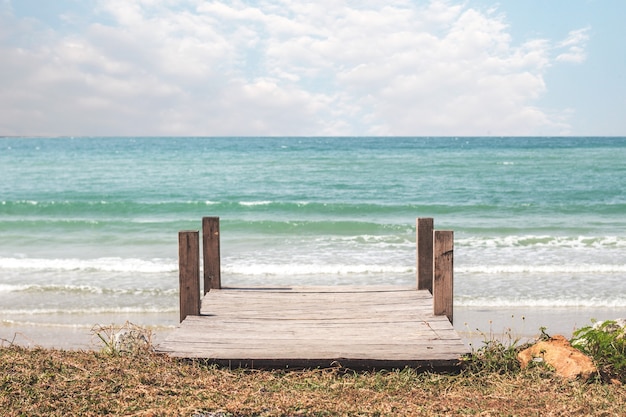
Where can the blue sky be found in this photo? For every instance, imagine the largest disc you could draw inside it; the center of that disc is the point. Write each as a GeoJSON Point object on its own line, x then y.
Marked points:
{"type": "Point", "coordinates": [368, 67]}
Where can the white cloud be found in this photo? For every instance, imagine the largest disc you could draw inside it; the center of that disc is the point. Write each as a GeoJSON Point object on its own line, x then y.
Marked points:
{"type": "Point", "coordinates": [190, 67]}
{"type": "Point", "coordinates": [574, 44]}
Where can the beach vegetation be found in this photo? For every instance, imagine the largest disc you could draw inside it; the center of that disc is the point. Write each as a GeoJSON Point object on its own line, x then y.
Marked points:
{"type": "Point", "coordinates": [119, 380]}
{"type": "Point", "coordinates": [88, 383]}
{"type": "Point", "coordinates": [48, 382]}
{"type": "Point", "coordinates": [127, 339]}
{"type": "Point", "coordinates": [605, 342]}
{"type": "Point", "coordinates": [497, 352]}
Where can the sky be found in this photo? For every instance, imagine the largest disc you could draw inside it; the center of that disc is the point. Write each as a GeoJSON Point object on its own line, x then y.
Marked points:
{"type": "Point", "coordinates": [323, 68]}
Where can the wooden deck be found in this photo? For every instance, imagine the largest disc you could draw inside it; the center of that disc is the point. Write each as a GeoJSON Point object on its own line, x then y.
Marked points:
{"type": "Point", "coordinates": [369, 327]}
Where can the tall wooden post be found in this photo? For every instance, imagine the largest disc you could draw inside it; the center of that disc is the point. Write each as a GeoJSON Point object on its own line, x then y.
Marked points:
{"type": "Point", "coordinates": [443, 260]}
{"type": "Point", "coordinates": [211, 253]}
{"type": "Point", "coordinates": [424, 256]}
{"type": "Point", "coordinates": [189, 273]}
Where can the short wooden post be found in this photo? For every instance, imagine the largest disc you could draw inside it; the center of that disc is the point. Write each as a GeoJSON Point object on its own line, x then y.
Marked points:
{"type": "Point", "coordinates": [424, 255]}
{"type": "Point", "coordinates": [443, 261]}
{"type": "Point", "coordinates": [211, 253]}
{"type": "Point", "coordinates": [189, 273]}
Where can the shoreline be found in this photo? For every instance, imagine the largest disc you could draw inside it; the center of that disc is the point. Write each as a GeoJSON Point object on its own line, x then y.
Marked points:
{"type": "Point", "coordinates": [77, 333]}
{"type": "Point", "coordinates": [509, 324]}
{"type": "Point", "coordinates": [474, 326]}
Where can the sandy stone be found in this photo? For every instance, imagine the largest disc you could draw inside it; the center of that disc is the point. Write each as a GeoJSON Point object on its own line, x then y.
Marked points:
{"type": "Point", "coordinates": [557, 352]}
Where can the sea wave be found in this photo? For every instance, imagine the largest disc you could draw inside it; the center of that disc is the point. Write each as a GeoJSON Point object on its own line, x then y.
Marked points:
{"type": "Point", "coordinates": [541, 269]}
{"type": "Point", "coordinates": [85, 289]}
{"type": "Point", "coordinates": [90, 310]}
{"type": "Point", "coordinates": [308, 265]}
{"type": "Point", "coordinates": [296, 269]}
{"type": "Point", "coordinates": [123, 206]}
{"type": "Point", "coordinates": [557, 302]}
{"type": "Point", "coordinates": [113, 264]}
{"type": "Point", "coordinates": [73, 325]}
{"type": "Point", "coordinates": [542, 241]}
{"type": "Point", "coordinates": [99, 207]}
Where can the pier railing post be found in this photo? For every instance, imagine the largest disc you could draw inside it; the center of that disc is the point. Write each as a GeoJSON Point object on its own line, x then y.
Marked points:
{"type": "Point", "coordinates": [424, 255]}
{"type": "Point", "coordinates": [443, 270]}
{"type": "Point", "coordinates": [189, 273]}
{"type": "Point", "coordinates": [211, 253]}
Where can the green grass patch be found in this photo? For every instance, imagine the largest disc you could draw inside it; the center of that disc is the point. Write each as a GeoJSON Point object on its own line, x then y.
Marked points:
{"type": "Point", "coordinates": [605, 342]}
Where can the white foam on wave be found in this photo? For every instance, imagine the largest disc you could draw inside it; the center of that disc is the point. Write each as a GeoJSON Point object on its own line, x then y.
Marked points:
{"type": "Point", "coordinates": [383, 241]}
{"type": "Point", "coordinates": [541, 269]}
{"type": "Point", "coordinates": [618, 302]}
{"type": "Point", "coordinates": [19, 323]}
{"type": "Point", "coordinates": [255, 203]}
{"type": "Point", "coordinates": [295, 269]}
{"type": "Point", "coordinates": [89, 310]}
{"type": "Point", "coordinates": [542, 241]}
{"type": "Point", "coordinates": [5, 288]}
{"type": "Point", "coordinates": [112, 264]}
{"type": "Point", "coordinates": [86, 289]}
{"type": "Point", "coordinates": [73, 325]}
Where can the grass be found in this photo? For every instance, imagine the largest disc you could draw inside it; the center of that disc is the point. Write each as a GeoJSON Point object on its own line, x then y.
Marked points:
{"type": "Point", "coordinates": [40, 382]}
{"type": "Point", "coordinates": [137, 382]}
{"type": "Point", "coordinates": [497, 355]}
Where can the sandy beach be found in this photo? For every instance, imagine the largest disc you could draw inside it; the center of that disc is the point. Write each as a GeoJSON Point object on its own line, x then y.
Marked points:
{"type": "Point", "coordinates": [79, 334]}
{"type": "Point", "coordinates": [477, 324]}
{"type": "Point", "coordinates": [474, 325]}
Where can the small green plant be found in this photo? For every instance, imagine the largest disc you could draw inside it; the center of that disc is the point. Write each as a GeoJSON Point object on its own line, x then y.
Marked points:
{"type": "Point", "coordinates": [127, 339]}
{"type": "Point", "coordinates": [605, 342]}
{"type": "Point", "coordinates": [495, 355]}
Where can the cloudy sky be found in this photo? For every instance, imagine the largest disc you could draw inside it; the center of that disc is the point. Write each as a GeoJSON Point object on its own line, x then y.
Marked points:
{"type": "Point", "coordinates": [287, 67]}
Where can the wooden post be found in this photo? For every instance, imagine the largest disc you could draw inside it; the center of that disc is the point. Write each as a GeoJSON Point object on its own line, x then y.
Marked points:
{"type": "Point", "coordinates": [189, 273]}
{"type": "Point", "coordinates": [211, 253]}
{"type": "Point", "coordinates": [443, 261]}
{"type": "Point", "coordinates": [424, 256]}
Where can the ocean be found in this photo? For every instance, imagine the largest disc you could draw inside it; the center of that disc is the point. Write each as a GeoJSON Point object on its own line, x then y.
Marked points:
{"type": "Point", "coordinates": [89, 226]}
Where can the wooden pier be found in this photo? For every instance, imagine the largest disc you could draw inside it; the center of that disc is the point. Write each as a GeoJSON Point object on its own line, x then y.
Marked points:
{"type": "Point", "coordinates": [357, 327]}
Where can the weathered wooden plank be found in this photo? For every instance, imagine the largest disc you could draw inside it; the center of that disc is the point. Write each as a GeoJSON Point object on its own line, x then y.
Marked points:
{"type": "Point", "coordinates": [424, 257]}
{"type": "Point", "coordinates": [211, 253]}
{"type": "Point", "coordinates": [296, 305]}
{"type": "Point", "coordinates": [331, 290]}
{"type": "Point", "coordinates": [369, 327]}
{"type": "Point", "coordinates": [322, 337]}
{"type": "Point", "coordinates": [234, 302]}
{"type": "Point", "coordinates": [303, 349]}
{"type": "Point", "coordinates": [338, 353]}
{"type": "Point", "coordinates": [189, 273]}
{"type": "Point", "coordinates": [315, 333]}
{"type": "Point", "coordinates": [443, 264]}
{"type": "Point", "coordinates": [306, 349]}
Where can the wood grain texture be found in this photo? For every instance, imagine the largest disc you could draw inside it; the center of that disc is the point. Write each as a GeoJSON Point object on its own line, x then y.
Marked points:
{"type": "Point", "coordinates": [443, 273]}
{"type": "Point", "coordinates": [189, 273]}
{"type": "Point", "coordinates": [357, 327]}
{"type": "Point", "coordinates": [211, 253]}
{"type": "Point", "coordinates": [424, 256]}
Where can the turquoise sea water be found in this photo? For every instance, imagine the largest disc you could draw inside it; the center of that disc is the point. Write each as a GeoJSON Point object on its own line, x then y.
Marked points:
{"type": "Point", "coordinates": [89, 226]}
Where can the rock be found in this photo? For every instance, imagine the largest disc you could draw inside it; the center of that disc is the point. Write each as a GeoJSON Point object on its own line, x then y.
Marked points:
{"type": "Point", "coordinates": [557, 352]}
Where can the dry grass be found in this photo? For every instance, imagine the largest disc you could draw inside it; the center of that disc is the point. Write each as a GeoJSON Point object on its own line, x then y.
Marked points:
{"type": "Point", "coordinates": [38, 382]}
